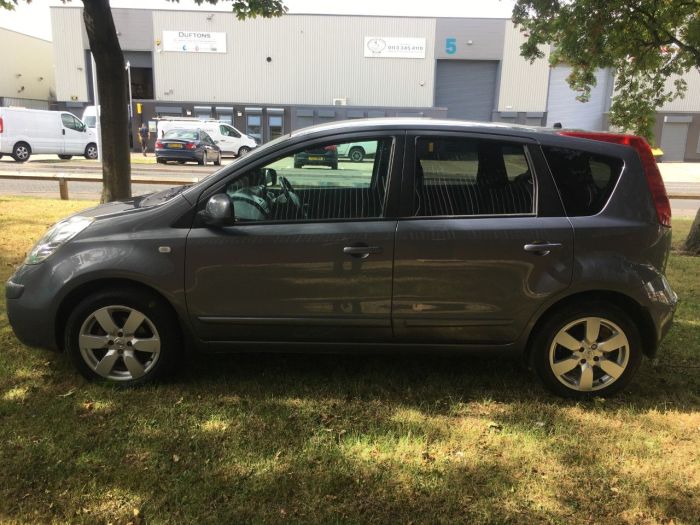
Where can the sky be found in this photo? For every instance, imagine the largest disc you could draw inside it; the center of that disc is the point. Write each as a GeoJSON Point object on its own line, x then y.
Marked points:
{"type": "Point", "coordinates": [34, 19]}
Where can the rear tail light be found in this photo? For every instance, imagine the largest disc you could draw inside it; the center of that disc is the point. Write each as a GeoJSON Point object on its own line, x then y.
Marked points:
{"type": "Point", "coordinates": [332, 147]}
{"type": "Point", "coordinates": [651, 169]}
{"type": "Point", "coordinates": [190, 145]}
{"type": "Point", "coordinates": [159, 144]}
{"type": "Point", "coordinates": [2, 125]}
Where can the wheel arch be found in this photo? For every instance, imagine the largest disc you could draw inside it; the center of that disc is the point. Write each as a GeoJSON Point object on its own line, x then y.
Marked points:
{"type": "Point", "coordinates": [81, 291]}
{"type": "Point", "coordinates": [637, 312]}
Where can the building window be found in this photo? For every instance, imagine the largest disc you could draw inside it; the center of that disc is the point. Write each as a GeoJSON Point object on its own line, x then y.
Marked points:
{"type": "Point", "coordinates": [253, 127]}
{"type": "Point", "coordinates": [276, 127]}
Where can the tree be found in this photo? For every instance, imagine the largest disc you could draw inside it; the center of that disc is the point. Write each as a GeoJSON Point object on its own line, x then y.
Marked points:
{"type": "Point", "coordinates": [648, 44]}
{"type": "Point", "coordinates": [112, 86]}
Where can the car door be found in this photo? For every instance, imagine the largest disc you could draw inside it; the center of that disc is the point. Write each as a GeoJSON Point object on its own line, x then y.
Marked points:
{"type": "Point", "coordinates": [73, 133]}
{"type": "Point", "coordinates": [309, 256]}
{"type": "Point", "coordinates": [482, 242]}
{"type": "Point", "coordinates": [229, 139]}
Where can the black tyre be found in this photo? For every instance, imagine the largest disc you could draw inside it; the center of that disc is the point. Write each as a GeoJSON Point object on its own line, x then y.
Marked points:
{"type": "Point", "coordinates": [590, 350]}
{"type": "Point", "coordinates": [217, 162]}
{"type": "Point", "coordinates": [298, 165]}
{"type": "Point", "coordinates": [123, 336]}
{"type": "Point", "coordinates": [203, 162]}
{"type": "Point", "coordinates": [65, 157]}
{"type": "Point", "coordinates": [21, 152]}
{"type": "Point", "coordinates": [356, 154]}
{"type": "Point", "coordinates": [91, 151]}
{"type": "Point", "coordinates": [244, 150]}
{"type": "Point", "coordinates": [334, 166]}
{"type": "Point", "coordinates": [162, 161]}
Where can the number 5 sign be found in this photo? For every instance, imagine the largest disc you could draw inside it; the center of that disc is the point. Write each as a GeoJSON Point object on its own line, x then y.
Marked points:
{"type": "Point", "coordinates": [450, 46]}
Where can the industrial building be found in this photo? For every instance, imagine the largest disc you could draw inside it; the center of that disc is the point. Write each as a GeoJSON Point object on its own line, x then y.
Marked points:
{"type": "Point", "coordinates": [271, 76]}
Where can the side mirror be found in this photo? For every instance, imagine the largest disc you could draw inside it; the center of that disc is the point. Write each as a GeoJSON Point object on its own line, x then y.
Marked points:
{"type": "Point", "coordinates": [269, 177]}
{"type": "Point", "coordinates": [218, 211]}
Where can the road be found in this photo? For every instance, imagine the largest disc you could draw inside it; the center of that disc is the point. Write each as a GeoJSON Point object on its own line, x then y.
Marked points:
{"type": "Point", "coordinates": [680, 178]}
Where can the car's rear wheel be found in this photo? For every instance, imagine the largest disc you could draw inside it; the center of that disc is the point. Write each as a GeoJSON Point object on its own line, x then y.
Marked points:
{"type": "Point", "coordinates": [593, 349]}
{"type": "Point", "coordinates": [203, 162]}
{"type": "Point", "coordinates": [21, 152]}
{"type": "Point", "coordinates": [162, 161]}
{"type": "Point", "coordinates": [298, 165]}
{"type": "Point", "coordinates": [65, 157]}
{"type": "Point", "coordinates": [91, 151]}
{"type": "Point", "coordinates": [356, 154]}
{"type": "Point", "coordinates": [334, 166]}
{"type": "Point", "coordinates": [243, 150]}
{"type": "Point", "coordinates": [128, 337]}
{"type": "Point", "coordinates": [217, 162]}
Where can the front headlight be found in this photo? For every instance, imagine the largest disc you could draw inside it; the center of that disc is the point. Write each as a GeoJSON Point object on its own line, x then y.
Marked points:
{"type": "Point", "coordinates": [60, 233]}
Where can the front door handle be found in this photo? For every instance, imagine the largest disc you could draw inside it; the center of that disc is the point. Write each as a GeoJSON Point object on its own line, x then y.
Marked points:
{"type": "Point", "coordinates": [541, 248]}
{"type": "Point", "coordinates": [361, 251]}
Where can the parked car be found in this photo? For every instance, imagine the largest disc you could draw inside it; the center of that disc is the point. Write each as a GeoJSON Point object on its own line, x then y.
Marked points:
{"type": "Point", "coordinates": [321, 156]}
{"type": "Point", "coordinates": [357, 151]}
{"type": "Point", "coordinates": [547, 245]}
{"type": "Point", "coordinates": [229, 139]}
{"type": "Point", "coordinates": [24, 132]}
{"type": "Point", "coordinates": [187, 145]}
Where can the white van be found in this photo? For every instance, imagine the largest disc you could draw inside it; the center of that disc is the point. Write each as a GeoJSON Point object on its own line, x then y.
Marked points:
{"type": "Point", "coordinates": [90, 116]}
{"type": "Point", "coordinates": [229, 139]}
{"type": "Point", "coordinates": [27, 131]}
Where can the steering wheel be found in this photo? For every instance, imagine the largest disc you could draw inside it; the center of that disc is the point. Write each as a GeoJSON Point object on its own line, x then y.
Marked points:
{"type": "Point", "coordinates": [288, 192]}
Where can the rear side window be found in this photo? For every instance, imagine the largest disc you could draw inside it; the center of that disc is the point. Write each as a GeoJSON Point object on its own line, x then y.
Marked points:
{"type": "Point", "coordinates": [585, 180]}
{"type": "Point", "coordinates": [466, 176]}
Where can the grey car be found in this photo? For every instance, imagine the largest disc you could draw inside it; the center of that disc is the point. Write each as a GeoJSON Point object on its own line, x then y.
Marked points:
{"type": "Point", "coordinates": [544, 244]}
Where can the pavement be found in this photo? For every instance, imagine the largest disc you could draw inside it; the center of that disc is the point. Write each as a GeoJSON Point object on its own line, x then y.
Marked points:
{"type": "Point", "coordinates": [680, 178]}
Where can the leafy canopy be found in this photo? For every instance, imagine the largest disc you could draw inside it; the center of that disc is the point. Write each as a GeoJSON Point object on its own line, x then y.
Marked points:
{"type": "Point", "coordinates": [644, 42]}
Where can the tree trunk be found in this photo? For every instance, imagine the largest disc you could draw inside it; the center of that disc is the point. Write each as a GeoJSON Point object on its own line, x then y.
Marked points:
{"type": "Point", "coordinates": [113, 98]}
{"type": "Point", "coordinates": [692, 243]}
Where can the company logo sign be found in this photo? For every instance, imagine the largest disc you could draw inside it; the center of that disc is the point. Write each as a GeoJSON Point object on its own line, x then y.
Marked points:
{"type": "Point", "coordinates": [394, 47]}
{"type": "Point", "coordinates": [194, 41]}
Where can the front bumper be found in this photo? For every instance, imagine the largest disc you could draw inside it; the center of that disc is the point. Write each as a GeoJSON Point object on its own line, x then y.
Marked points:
{"type": "Point", "coordinates": [30, 315]}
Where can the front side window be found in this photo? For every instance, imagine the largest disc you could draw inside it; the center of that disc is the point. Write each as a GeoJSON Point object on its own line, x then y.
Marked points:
{"type": "Point", "coordinates": [465, 176]}
{"type": "Point", "coordinates": [70, 122]}
{"type": "Point", "coordinates": [228, 131]}
{"type": "Point", "coordinates": [311, 184]}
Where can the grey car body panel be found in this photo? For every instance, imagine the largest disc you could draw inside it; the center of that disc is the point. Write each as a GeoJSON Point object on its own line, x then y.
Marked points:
{"type": "Point", "coordinates": [504, 291]}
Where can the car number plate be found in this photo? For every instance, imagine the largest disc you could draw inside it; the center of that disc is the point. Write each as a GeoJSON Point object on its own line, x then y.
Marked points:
{"type": "Point", "coordinates": [176, 146]}
{"type": "Point", "coordinates": [315, 158]}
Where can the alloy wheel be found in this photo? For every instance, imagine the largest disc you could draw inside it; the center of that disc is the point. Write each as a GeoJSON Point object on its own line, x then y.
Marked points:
{"type": "Point", "coordinates": [22, 152]}
{"type": "Point", "coordinates": [589, 354]}
{"type": "Point", "coordinates": [119, 343]}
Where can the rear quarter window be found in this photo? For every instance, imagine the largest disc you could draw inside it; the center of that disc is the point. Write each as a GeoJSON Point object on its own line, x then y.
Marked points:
{"type": "Point", "coordinates": [585, 180]}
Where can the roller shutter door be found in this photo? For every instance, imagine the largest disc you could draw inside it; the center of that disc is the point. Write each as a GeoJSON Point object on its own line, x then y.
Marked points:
{"type": "Point", "coordinates": [674, 137]}
{"type": "Point", "coordinates": [563, 107]}
{"type": "Point", "coordinates": [467, 88]}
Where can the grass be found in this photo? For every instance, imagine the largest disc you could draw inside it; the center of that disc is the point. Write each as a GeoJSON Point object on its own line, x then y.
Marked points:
{"type": "Point", "coordinates": [327, 439]}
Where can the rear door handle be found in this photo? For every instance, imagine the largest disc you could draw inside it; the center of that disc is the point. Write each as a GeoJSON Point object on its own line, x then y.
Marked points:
{"type": "Point", "coordinates": [361, 251]}
{"type": "Point", "coordinates": [541, 248]}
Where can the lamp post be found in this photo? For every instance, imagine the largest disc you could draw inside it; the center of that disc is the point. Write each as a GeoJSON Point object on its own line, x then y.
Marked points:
{"type": "Point", "coordinates": [96, 97]}
{"type": "Point", "coordinates": [128, 76]}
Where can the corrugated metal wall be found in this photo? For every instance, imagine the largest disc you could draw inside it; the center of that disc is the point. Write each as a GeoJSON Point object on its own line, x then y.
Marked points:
{"type": "Point", "coordinates": [313, 60]}
{"type": "Point", "coordinates": [134, 29]}
{"type": "Point", "coordinates": [27, 66]}
{"type": "Point", "coordinates": [691, 102]}
{"type": "Point", "coordinates": [523, 85]}
{"type": "Point", "coordinates": [564, 108]}
{"type": "Point", "coordinates": [69, 54]}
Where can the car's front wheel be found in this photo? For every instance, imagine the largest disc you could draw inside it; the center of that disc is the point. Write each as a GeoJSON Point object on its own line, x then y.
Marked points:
{"type": "Point", "coordinates": [129, 337]}
{"type": "Point", "coordinates": [593, 349]}
{"type": "Point", "coordinates": [244, 150]}
{"type": "Point", "coordinates": [91, 152]}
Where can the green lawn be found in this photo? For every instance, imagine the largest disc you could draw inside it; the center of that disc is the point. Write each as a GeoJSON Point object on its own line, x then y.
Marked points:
{"type": "Point", "coordinates": [326, 439]}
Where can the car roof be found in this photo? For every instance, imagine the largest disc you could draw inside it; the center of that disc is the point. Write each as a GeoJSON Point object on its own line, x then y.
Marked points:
{"type": "Point", "coordinates": [414, 123]}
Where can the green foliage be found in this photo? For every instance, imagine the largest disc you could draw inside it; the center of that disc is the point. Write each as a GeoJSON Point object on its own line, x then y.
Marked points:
{"type": "Point", "coordinates": [249, 8]}
{"type": "Point", "coordinates": [644, 42]}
